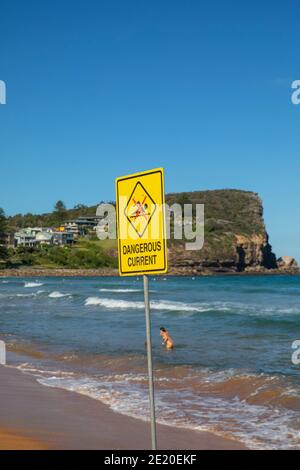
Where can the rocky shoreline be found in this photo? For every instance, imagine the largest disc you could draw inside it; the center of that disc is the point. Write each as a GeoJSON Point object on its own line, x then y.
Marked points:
{"type": "Point", "coordinates": [56, 272]}
{"type": "Point", "coordinates": [173, 271]}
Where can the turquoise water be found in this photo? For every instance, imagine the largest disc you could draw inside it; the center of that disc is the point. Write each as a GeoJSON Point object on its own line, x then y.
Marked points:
{"type": "Point", "coordinates": [230, 372]}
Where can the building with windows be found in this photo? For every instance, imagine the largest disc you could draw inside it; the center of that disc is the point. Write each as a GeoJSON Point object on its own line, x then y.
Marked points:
{"type": "Point", "coordinates": [72, 227]}
{"type": "Point", "coordinates": [44, 238]}
{"type": "Point", "coordinates": [24, 238]}
{"type": "Point", "coordinates": [62, 238]}
{"type": "Point", "coordinates": [39, 236]}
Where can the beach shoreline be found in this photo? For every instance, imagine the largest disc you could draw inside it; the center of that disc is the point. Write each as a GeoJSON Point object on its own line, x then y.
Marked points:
{"type": "Point", "coordinates": [33, 416]}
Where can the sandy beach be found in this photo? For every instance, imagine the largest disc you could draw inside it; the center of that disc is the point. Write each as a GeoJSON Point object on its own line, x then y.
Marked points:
{"type": "Point", "coordinates": [11, 440]}
{"type": "Point", "coordinates": [33, 416]}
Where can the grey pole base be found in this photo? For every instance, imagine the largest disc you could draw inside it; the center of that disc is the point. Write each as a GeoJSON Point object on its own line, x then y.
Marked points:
{"type": "Point", "coordinates": [150, 368]}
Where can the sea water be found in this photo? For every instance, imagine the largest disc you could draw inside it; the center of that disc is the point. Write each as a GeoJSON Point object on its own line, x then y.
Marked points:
{"type": "Point", "coordinates": [230, 373]}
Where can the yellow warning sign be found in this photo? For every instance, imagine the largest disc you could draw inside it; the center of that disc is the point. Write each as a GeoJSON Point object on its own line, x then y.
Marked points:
{"type": "Point", "coordinates": [141, 223]}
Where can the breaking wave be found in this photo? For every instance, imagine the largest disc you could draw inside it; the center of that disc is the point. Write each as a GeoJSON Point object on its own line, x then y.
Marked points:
{"type": "Point", "coordinates": [120, 290]}
{"type": "Point", "coordinates": [256, 424]}
{"type": "Point", "coordinates": [33, 284]}
{"type": "Point", "coordinates": [58, 295]}
{"type": "Point", "coordinates": [155, 305]}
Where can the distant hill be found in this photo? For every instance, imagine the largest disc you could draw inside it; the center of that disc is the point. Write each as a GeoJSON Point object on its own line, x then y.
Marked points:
{"type": "Point", "coordinates": [235, 233]}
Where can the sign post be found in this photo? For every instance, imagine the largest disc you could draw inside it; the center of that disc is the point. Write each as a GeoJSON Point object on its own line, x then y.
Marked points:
{"type": "Point", "coordinates": [142, 246]}
{"type": "Point", "coordinates": [150, 367]}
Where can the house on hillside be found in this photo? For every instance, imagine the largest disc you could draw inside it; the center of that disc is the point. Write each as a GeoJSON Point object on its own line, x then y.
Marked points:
{"type": "Point", "coordinates": [24, 238]}
{"type": "Point", "coordinates": [44, 238]}
{"type": "Point", "coordinates": [88, 222]}
{"type": "Point", "coordinates": [72, 227]}
{"type": "Point", "coordinates": [32, 236]}
{"type": "Point", "coordinates": [62, 238]}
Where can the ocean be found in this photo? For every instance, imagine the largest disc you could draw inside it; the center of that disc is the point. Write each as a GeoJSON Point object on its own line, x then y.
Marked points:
{"type": "Point", "coordinates": [230, 372]}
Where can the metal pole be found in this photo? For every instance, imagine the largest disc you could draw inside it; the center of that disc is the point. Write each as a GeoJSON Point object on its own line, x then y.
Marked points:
{"type": "Point", "coordinates": [150, 368]}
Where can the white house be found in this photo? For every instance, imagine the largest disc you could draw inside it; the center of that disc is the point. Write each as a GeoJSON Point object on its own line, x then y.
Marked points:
{"type": "Point", "coordinates": [44, 238]}
{"type": "Point", "coordinates": [24, 238]}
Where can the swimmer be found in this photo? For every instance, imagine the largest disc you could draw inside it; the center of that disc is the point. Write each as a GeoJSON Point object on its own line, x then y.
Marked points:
{"type": "Point", "coordinates": [167, 340]}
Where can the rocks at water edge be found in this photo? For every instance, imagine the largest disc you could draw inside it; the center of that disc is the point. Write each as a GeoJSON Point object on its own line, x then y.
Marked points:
{"type": "Point", "coordinates": [286, 262]}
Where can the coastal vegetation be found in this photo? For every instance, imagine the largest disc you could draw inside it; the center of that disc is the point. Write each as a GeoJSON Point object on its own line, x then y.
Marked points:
{"type": "Point", "coordinates": [85, 254]}
{"type": "Point", "coordinates": [3, 229]}
{"type": "Point", "coordinates": [49, 219]}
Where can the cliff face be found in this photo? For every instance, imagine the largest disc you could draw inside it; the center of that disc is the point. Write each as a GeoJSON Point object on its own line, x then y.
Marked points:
{"type": "Point", "coordinates": [235, 235]}
{"type": "Point", "coordinates": [254, 252]}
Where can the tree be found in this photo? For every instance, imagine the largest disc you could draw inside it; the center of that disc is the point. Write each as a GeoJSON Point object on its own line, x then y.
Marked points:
{"type": "Point", "coordinates": [60, 206]}
{"type": "Point", "coordinates": [60, 211]}
{"type": "Point", "coordinates": [183, 198]}
{"type": "Point", "coordinates": [3, 225]}
{"type": "Point", "coordinates": [3, 229]}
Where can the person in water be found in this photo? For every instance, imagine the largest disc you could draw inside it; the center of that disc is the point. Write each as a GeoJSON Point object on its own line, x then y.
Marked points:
{"type": "Point", "coordinates": [167, 340]}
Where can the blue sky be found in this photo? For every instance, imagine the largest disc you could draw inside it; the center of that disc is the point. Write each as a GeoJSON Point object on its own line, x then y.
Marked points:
{"type": "Point", "coordinates": [99, 89]}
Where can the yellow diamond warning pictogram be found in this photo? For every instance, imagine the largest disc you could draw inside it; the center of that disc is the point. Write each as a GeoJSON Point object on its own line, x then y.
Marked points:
{"type": "Point", "coordinates": [140, 209]}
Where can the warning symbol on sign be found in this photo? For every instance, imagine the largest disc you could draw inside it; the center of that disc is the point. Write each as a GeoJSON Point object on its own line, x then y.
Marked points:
{"type": "Point", "coordinates": [140, 209]}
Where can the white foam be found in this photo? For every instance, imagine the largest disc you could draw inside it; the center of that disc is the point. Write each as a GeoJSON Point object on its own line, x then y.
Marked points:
{"type": "Point", "coordinates": [13, 296]}
{"type": "Point", "coordinates": [33, 284]}
{"type": "Point", "coordinates": [120, 290]}
{"type": "Point", "coordinates": [58, 295]}
{"type": "Point", "coordinates": [32, 294]}
{"type": "Point", "coordinates": [258, 426]}
{"type": "Point", "coordinates": [155, 305]}
{"type": "Point", "coordinates": [30, 369]}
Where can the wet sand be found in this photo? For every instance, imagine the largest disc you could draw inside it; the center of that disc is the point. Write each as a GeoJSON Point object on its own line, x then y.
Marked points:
{"type": "Point", "coordinates": [11, 440]}
{"type": "Point", "coordinates": [33, 416]}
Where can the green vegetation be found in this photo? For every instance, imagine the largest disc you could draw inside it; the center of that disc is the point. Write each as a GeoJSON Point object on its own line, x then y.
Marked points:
{"type": "Point", "coordinates": [83, 255]}
{"type": "Point", "coordinates": [50, 219]}
{"type": "Point", "coordinates": [60, 212]}
{"type": "Point", "coordinates": [228, 212]}
{"type": "Point", "coordinates": [3, 230]}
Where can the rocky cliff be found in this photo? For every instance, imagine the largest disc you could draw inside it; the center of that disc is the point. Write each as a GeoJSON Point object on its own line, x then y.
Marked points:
{"type": "Point", "coordinates": [235, 235]}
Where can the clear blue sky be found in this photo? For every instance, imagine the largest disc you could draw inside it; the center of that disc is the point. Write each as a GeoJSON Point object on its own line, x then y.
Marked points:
{"type": "Point", "coordinates": [98, 89]}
